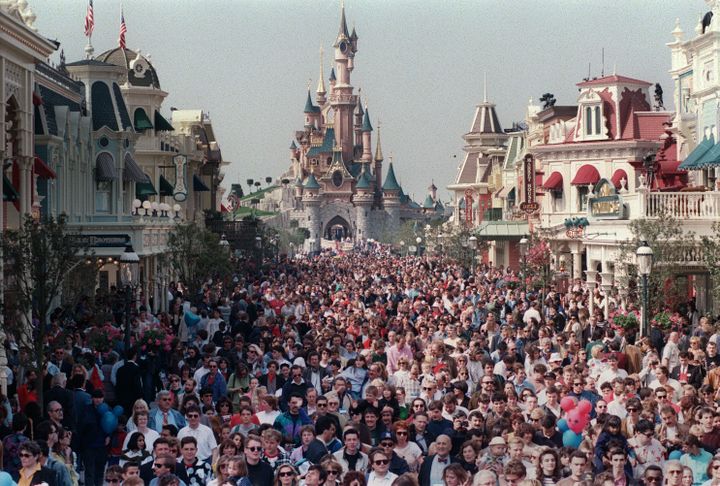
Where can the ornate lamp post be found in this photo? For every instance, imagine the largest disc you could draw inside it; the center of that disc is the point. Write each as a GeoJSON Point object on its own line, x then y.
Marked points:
{"type": "Point", "coordinates": [418, 240]}
{"type": "Point", "coordinates": [472, 244]}
{"type": "Point", "coordinates": [523, 247]}
{"type": "Point", "coordinates": [129, 277]}
{"type": "Point", "coordinates": [224, 243]}
{"type": "Point", "coordinates": [402, 247]}
{"type": "Point", "coordinates": [644, 256]}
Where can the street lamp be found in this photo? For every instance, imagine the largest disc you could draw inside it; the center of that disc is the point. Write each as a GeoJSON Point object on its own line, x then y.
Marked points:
{"type": "Point", "coordinates": [402, 247]}
{"type": "Point", "coordinates": [418, 240]}
{"type": "Point", "coordinates": [644, 256]}
{"type": "Point", "coordinates": [224, 243]}
{"type": "Point", "coordinates": [258, 249]}
{"type": "Point", "coordinates": [472, 244]}
{"type": "Point", "coordinates": [523, 247]}
{"type": "Point", "coordinates": [129, 277]}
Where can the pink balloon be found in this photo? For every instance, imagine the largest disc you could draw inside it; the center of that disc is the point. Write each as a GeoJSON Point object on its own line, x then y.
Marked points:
{"type": "Point", "coordinates": [567, 403]}
{"type": "Point", "coordinates": [584, 406]}
{"type": "Point", "coordinates": [576, 420]}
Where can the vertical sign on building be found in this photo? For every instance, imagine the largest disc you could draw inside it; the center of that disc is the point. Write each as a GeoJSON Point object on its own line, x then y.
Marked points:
{"type": "Point", "coordinates": [530, 205]}
{"type": "Point", "coordinates": [180, 191]}
{"type": "Point", "coordinates": [468, 207]}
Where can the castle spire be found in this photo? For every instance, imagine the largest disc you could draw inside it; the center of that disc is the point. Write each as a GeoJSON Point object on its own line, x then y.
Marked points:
{"type": "Point", "coordinates": [321, 80]}
{"type": "Point", "coordinates": [378, 148]}
{"type": "Point", "coordinates": [366, 126]}
{"type": "Point", "coordinates": [343, 33]}
{"type": "Point", "coordinates": [485, 87]}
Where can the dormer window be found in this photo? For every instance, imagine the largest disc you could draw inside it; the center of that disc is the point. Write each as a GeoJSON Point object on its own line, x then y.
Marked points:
{"type": "Point", "coordinates": [591, 126]}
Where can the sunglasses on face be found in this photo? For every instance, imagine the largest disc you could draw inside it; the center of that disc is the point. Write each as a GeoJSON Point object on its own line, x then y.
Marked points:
{"type": "Point", "coordinates": [381, 462]}
{"type": "Point", "coordinates": [112, 480]}
{"type": "Point", "coordinates": [254, 449]}
{"type": "Point", "coordinates": [25, 454]}
{"type": "Point", "coordinates": [159, 465]}
{"type": "Point", "coordinates": [286, 474]}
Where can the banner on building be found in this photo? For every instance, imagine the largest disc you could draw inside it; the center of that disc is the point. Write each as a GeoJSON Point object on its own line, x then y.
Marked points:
{"type": "Point", "coordinates": [468, 207]}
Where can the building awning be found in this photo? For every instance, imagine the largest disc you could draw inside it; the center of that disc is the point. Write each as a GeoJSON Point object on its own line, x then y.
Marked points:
{"type": "Point", "coordinates": [43, 170]}
{"type": "Point", "coordinates": [586, 175]}
{"type": "Point", "coordinates": [554, 182]}
{"type": "Point", "coordinates": [511, 194]}
{"type": "Point", "coordinates": [501, 230]}
{"type": "Point", "coordinates": [166, 189]}
{"type": "Point", "coordinates": [10, 194]}
{"type": "Point", "coordinates": [142, 122]}
{"type": "Point", "coordinates": [145, 189]}
{"type": "Point", "coordinates": [132, 172]}
{"type": "Point", "coordinates": [199, 185]}
{"type": "Point", "coordinates": [617, 177]}
{"type": "Point", "coordinates": [697, 153]}
{"type": "Point", "coordinates": [105, 167]}
{"type": "Point", "coordinates": [711, 158]}
{"type": "Point", "coordinates": [161, 124]}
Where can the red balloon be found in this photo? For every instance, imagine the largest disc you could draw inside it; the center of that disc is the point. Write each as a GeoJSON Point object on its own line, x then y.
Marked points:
{"type": "Point", "coordinates": [576, 421]}
{"type": "Point", "coordinates": [567, 403]}
{"type": "Point", "coordinates": [585, 407]}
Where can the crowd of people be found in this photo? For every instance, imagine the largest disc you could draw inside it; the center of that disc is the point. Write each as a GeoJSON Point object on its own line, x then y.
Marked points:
{"type": "Point", "coordinates": [365, 369]}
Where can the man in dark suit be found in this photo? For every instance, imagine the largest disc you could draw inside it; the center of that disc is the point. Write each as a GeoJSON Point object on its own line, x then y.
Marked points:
{"type": "Point", "coordinates": [129, 382]}
{"type": "Point", "coordinates": [64, 397]}
{"type": "Point", "coordinates": [432, 468]}
{"type": "Point", "coordinates": [314, 373]}
{"type": "Point", "coordinates": [687, 373]}
{"type": "Point", "coordinates": [161, 447]}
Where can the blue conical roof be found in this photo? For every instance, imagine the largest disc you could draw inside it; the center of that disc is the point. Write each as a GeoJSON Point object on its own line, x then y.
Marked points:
{"type": "Point", "coordinates": [364, 181]}
{"type": "Point", "coordinates": [391, 183]}
{"type": "Point", "coordinates": [311, 182]}
{"type": "Point", "coordinates": [332, 74]}
{"type": "Point", "coordinates": [428, 203]}
{"type": "Point", "coordinates": [293, 145]}
{"type": "Point", "coordinates": [366, 126]}
{"type": "Point", "coordinates": [309, 107]}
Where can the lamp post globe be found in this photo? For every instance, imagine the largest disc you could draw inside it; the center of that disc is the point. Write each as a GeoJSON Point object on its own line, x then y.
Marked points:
{"type": "Point", "coordinates": [644, 256]}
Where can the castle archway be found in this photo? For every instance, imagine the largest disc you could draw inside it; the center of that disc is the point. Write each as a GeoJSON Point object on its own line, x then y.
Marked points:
{"type": "Point", "coordinates": [337, 229]}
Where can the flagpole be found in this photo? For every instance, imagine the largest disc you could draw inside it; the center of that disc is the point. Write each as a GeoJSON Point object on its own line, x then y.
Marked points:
{"type": "Point", "coordinates": [89, 26]}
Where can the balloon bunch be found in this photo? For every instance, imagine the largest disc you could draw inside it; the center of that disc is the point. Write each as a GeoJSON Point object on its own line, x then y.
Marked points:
{"type": "Point", "coordinates": [577, 416]}
{"type": "Point", "coordinates": [109, 418]}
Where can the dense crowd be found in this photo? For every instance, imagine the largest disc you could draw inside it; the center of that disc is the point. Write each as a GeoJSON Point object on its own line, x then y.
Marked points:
{"type": "Point", "coordinates": [366, 369]}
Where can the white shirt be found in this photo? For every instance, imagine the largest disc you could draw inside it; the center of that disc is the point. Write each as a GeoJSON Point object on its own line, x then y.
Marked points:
{"type": "Point", "coordinates": [373, 480]}
{"type": "Point", "coordinates": [267, 417]}
{"type": "Point", "coordinates": [436, 471]}
{"type": "Point", "coordinates": [206, 442]}
{"type": "Point", "coordinates": [150, 437]}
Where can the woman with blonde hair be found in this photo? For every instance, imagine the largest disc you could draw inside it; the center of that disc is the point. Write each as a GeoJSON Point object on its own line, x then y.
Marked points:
{"type": "Point", "coordinates": [140, 405]}
{"type": "Point", "coordinates": [221, 471]}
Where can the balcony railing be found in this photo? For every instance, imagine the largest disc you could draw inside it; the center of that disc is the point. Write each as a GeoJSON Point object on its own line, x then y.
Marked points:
{"type": "Point", "coordinates": [683, 205]}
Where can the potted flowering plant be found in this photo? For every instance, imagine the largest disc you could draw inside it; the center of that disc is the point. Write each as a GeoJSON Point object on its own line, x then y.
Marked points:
{"type": "Point", "coordinates": [155, 339]}
{"type": "Point", "coordinates": [666, 321]}
{"type": "Point", "coordinates": [103, 338]}
{"type": "Point", "coordinates": [629, 321]}
{"type": "Point", "coordinates": [511, 281]}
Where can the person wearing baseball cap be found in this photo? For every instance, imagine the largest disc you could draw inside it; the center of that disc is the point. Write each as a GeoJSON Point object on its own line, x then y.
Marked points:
{"type": "Point", "coordinates": [398, 465]}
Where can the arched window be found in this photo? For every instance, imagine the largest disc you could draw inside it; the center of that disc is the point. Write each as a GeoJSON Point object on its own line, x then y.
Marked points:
{"type": "Point", "coordinates": [588, 120]}
{"type": "Point", "coordinates": [597, 120]}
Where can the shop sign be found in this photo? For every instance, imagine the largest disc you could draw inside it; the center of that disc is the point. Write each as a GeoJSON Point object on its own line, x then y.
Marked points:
{"type": "Point", "coordinates": [608, 203]}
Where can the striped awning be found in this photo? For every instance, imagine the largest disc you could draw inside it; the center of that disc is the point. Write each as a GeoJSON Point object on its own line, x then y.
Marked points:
{"type": "Point", "coordinates": [132, 172]}
{"type": "Point", "coordinates": [554, 182]}
{"type": "Point", "coordinates": [587, 174]}
{"type": "Point", "coordinates": [698, 153]}
{"type": "Point", "coordinates": [145, 189]}
{"type": "Point", "coordinates": [105, 167]}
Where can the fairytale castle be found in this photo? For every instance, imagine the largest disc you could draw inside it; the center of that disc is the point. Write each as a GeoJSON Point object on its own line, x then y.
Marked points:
{"type": "Point", "coordinates": [339, 191]}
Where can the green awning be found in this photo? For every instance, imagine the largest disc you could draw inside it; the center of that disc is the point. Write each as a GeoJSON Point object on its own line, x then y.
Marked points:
{"type": "Point", "coordinates": [145, 189]}
{"type": "Point", "coordinates": [690, 162]}
{"type": "Point", "coordinates": [9, 192]}
{"type": "Point", "coordinates": [501, 230]}
{"type": "Point", "coordinates": [199, 185]}
{"type": "Point", "coordinates": [711, 158]}
{"type": "Point", "coordinates": [161, 124]}
{"type": "Point", "coordinates": [166, 189]}
{"type": "Point", "coordinates": [142, 122]}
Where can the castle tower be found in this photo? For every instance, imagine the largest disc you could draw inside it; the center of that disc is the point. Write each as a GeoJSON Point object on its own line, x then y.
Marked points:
{"type": "Point", "coordinates": [342, 99]}
{"type": "Point", "coordinates": [391, 196]}
{"type": "Point", "coordinates": [359, 113]}
{"type": "Point", "coordinates": [312, 113]}
{"type": "Point", "coordinates": [363, 200]}
{"type": "Point", "coordinates": [320, 92]}
{"type": "Point", "coordinates": [366, 138]}
{"type": "Point", "coordinates": [311, 202]}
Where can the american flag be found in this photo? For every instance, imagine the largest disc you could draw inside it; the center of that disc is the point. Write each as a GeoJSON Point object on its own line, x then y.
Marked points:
{"type": "Point", "coordinates": [123, 31]}
{"type": "Point", "coordinates": [89, 20]}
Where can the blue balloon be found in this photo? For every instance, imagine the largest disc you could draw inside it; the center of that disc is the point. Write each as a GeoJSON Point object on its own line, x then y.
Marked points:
{"type": "Point", "coordinates": [109, 423]}
{"type": "Point", "coordinates": [571, 439]}
{"type": "Point", "coordinates": [562, 425]}
{"type": "Point", "coordinates": [117, 411]}
{"type": "Point", "coordinates": [103, 407]}
{"type": "Point", "coordinates": [675, 455]}
{"type": "Point", "coordinates": [6, 479]}
{"type": "Point", "coordinates": [191, 319]}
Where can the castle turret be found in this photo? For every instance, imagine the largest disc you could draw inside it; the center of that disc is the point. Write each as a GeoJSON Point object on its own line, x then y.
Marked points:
{"type": "Point", "coordinates": [367, 138]}
{"type": "Point", "coordinates": [312, 113]}
{"type": "Point", "coordinates": [321, 91]}
{"type": "Point", "coordinates": [378, 162]}
{"type": "Point", "coordinates": [391, 196]}
{"type": "Point", "coordinates": [342, 99]}
{"type": "Point", "coordinates": [311, 202]}
{"type": "Point", "coordinates": [359, 112]}
{"type": "Point", "coordinates": [363, 199]}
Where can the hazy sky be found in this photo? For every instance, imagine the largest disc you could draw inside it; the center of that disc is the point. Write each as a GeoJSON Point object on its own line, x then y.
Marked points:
{"type": "Point", "coordinates": [420, 63]}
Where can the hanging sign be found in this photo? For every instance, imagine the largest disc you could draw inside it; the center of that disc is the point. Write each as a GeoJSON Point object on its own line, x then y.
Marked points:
{"type": "Point", "coordinates": [468, 207]}
{"type": "Point", "coordinates": [530, 205]}
{"type": "Point", "coordinates": [180, 191]}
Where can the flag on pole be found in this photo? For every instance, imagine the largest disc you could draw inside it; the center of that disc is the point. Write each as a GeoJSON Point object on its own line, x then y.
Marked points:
{"type": "Point", "coordinates": [89, 20]}
{"type": "Point", "coordinates": [123, 30]}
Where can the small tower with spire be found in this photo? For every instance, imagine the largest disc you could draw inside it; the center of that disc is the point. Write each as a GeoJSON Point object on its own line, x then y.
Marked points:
{"type": "Point", "coordinates": [343, 100]}
{"type": "Point", "coordinates": [359, 113]}
{"type": "Point", "coordinates": [312, 113]}
{"type": "Point", "coordinates": [378, 161]}
{"type": "Point", "coordinates": [366, 137]}
{"type": "Point", "coordinates": [320, 92]}
{"type": "Point", "coordinates": [391, 197]}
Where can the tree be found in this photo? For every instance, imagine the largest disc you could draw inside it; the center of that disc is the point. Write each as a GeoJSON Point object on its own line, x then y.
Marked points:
{"type": "Point", "coordinates": [711, 258]}
{"type": "Point", "coordinates": [39, 257]}
{"type": "Point", "coordinates": [196, 255]}
{"type": "Point", "coordinates": [670, 244]}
